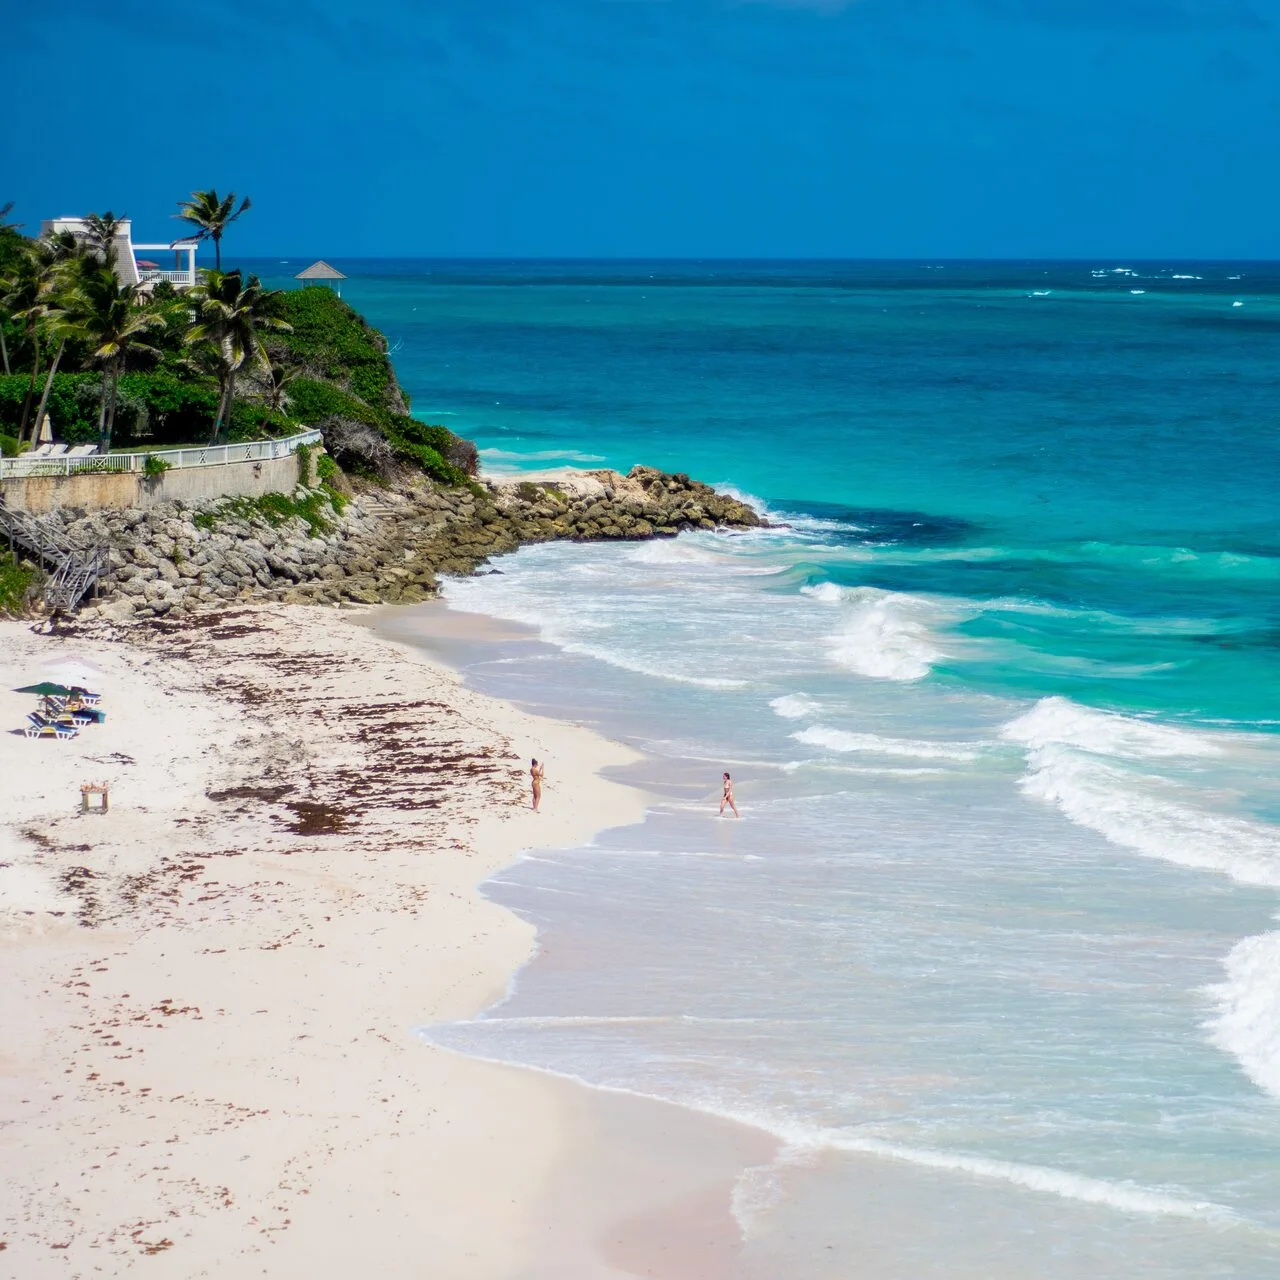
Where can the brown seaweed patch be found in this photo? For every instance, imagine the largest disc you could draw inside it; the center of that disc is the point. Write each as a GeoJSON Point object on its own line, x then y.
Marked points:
{"type": "Point", "coordinates": [314, 819]}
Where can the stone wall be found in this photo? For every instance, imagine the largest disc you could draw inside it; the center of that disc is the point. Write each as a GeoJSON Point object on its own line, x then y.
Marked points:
{"type": "Point", "coordinates": [126, 491]}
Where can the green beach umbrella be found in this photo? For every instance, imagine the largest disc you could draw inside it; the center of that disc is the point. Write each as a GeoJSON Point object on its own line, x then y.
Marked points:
{"type": "Point", "coordinates": [46, 689]}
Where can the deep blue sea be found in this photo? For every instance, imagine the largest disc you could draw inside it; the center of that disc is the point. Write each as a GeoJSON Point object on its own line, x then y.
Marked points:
{"type": "Point", "coordinates": [993, 948]}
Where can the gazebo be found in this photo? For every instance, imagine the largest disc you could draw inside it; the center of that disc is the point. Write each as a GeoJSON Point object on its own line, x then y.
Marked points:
{"type": "Point", "coordinates": [321, 271]}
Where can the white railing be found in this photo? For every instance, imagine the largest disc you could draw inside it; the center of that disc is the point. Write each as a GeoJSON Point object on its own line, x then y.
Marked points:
{"type": "Point", "coordinates": [214, 455]}
{"type": "Point", "coordinates": [173, 277]}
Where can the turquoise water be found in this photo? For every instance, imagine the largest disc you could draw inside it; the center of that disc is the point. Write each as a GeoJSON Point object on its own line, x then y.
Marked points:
{"type": "Point", "coordinates": [992, 949]}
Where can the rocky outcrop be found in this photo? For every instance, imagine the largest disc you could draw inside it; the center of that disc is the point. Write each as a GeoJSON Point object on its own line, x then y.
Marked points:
{"type": "Point", "coordinates": [388, 545]}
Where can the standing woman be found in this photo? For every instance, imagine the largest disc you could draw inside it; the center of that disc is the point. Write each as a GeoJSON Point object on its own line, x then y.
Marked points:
{"type": "Point", "coordinates": [725, 799]}
{"type": "Point", "coordinates": [536, 773]}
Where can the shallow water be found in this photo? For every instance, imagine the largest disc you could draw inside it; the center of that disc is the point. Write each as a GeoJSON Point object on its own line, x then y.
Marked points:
{"type": "Point", "coordinates": [993, 946]}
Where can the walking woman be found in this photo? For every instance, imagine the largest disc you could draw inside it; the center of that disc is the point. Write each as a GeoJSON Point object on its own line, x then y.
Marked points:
{"type": "Point", "coordinates": [536, 773]}
{"type": "Point", "coordinates": [725, 799]}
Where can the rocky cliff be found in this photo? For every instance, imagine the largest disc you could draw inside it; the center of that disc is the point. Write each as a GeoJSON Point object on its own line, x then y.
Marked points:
{"type": "Point", "coordinates": [379, 545]}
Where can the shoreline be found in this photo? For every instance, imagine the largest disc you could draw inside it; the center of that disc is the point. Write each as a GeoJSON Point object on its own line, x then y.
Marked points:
{"type": "Point", "coordinates": [288, 883]}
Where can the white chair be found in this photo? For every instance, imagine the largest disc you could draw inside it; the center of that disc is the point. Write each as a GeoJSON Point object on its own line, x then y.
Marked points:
{"type": "Point", "coordinates": [56, 450]}
{"type": "Point", "coordinates": [82, 451]}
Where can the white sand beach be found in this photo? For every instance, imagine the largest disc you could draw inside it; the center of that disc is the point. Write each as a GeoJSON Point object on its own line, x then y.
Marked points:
{"type": "Point", "coordinates": [208, 1066]}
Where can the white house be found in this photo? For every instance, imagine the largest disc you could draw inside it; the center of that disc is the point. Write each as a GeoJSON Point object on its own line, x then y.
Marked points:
{"type": "Point", "coordinates": [134, 264]}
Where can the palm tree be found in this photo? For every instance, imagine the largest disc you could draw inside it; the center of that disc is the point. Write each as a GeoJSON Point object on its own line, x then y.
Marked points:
{"type": "Point", "coordinates": [64, 322]}
{"type": "Point", "coordinates": [10, 246]}
{"type": "Point", "coordinates": [231, 316]}
{"type": "Point", "coordinates": [116, 322]}
{"type": "Point", "coordinates": [100, 234]}
{"type": "Point", "coordinates": [29, 295]}
{"type": "Point", "coordinates": [212, 215]}
{"type": "Point", "coordinates": [281, 374]}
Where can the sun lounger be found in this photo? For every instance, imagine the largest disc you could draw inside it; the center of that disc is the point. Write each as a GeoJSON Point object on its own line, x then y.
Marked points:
{"type": "Point", "coordinates": [56, 450]}
{"type": "Point", "coordinates": [82, 451]}
{"type": "Point", "coordinates": [50, 730]}
{"type": "Point", "coordinates": [67, 719]}
{"type": "Point", "coordinates": [42, 452]}
{"type": "Point", "coordinates": [89, 699]}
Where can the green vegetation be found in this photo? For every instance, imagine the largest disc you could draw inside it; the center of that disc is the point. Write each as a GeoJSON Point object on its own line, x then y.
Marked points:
{"type": "Point", "coordinates": [153, 468]}
{"type": "Point", "coordinates": [229, 360]}
{"type": "Point", "coordinates": [17, 581]}
{"type": "Point", "coordinates": [8, 447]}
{"type": "Point", "coordinates": [230, 319]}
{"type": "Point", "coordinates": [316, 507]}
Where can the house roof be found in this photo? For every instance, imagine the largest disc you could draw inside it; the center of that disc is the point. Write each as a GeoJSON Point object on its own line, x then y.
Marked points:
{"type": "Point", "coordinates": [320, 271]}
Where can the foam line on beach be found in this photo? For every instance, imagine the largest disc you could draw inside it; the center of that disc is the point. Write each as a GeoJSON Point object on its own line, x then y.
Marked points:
{"type": "Point", "coordinates": [799, 1140]}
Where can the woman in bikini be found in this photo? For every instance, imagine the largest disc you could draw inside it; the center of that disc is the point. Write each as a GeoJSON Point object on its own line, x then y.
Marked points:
{"type": "Point", "coordinates": [727, 798]}
{"type": "Point", "coordinates": [536, 773]}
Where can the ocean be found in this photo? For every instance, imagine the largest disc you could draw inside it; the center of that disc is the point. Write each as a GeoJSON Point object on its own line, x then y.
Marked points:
{"type": "Point", "coordinates": [993, 949]}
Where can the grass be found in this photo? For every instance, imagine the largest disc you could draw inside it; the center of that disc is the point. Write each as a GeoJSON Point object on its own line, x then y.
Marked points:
{"type": "Point", "coordinates": [16, 583]}
{"type": "Point", "coordinates": [316, 508]}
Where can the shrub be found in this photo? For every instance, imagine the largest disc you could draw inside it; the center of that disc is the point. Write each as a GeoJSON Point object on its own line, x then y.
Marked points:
{"type": "Point", "coordinates": [314, 507]}
{"type": "Point", "coordinates": [17, 584]}
{"type": "Point", "coordinates": [8, 446]}
{"type": "Point", "coordinates": [335, 341]}
{"type": "Point", "coordinates": [153, 467]}
{"type": "Point", "coordinates": [73, 404]}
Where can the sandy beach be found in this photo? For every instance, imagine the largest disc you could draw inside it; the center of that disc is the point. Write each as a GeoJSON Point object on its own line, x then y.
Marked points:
{"type": "Point", "coordinates": [208, 1066]}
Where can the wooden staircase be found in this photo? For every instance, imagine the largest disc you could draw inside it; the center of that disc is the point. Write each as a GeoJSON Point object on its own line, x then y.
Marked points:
{"type": "Point", "coordinates": [72, 571]}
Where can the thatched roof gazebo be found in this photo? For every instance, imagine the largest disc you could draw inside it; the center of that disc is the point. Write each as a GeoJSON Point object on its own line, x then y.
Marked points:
{"type": "Point", "coordinates": [321, 270]}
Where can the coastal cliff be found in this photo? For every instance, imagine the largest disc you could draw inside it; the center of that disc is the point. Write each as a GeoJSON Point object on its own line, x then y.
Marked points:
{"type": "Point", "coordinates": [322, 545]}
{"type": "Point", "coordinates": [389, 504]}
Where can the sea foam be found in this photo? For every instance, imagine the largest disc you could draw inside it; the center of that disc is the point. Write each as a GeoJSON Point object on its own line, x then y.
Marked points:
{"type": "Point", "coordinates": [882, 634]}
{"type": "Point", "coordinates": [819, 735]}
{"type": "Point", "coordinates": [1081, 761]}
{"type": "Point", "coordinates": [794, 706]}
{"type": "Point", "coordinates": [1247, 1024]}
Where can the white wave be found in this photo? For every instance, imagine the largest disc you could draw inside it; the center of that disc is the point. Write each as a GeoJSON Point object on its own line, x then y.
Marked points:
{"type": "Point", "coordinates": [702, 550]}
{"type": "Point", "coordinates": [1058, 721]}
{"type": "Point", "coordinates": [824, 592]}
{"type": "Point", "coordinates": [885, 636]}
{"type": "Point", "coordinates": [1067, 755]}
{"type": "Point", "coordinates": [1128, 1197]}
{"type": "Point", "coordinates": [794, 706]}
{"type": "Point", "coordinates": [542, 455]}
{"type": "Point", "coordinates": [819, 735]}
{"type": "Point", "coordinates": [1247, 1025]}
{"type": "Point", "coordinates": [758, 505]}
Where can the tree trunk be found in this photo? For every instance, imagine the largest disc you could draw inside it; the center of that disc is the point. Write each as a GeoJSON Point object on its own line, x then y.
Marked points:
{"type": "Point", "coordinates": [224, 408]}
{"type": "Point", "coordinates": [111, 412]}
{"type": "Point", "coordinates": [102, 414]}
{"type": "Point", "coordinates": [31, 390]}
{"type": "Point", "coordinates": [4, 351]}
{"type": "Point", "coordinates": [48, 384]}
{"type": "Point", "coordinates": [217, 251]}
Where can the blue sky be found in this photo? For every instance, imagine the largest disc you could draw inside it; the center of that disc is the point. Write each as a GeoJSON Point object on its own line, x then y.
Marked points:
{"type": "Point", "coordinates": [791, 128]}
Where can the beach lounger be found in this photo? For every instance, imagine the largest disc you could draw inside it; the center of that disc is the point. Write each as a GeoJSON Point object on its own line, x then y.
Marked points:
{"type": "Point", "coordinates": [75, 719]}
{"type": "Point", "coordinates": [82, 451]}
{"type": "Point", "coordinates": [42, 452]}
{"type": "Point", "coordinates": [89, 699]}
{"type": "Point", "coordinates": [50, 730]}
{"type": "Point", "coordinates": [56, 450]}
